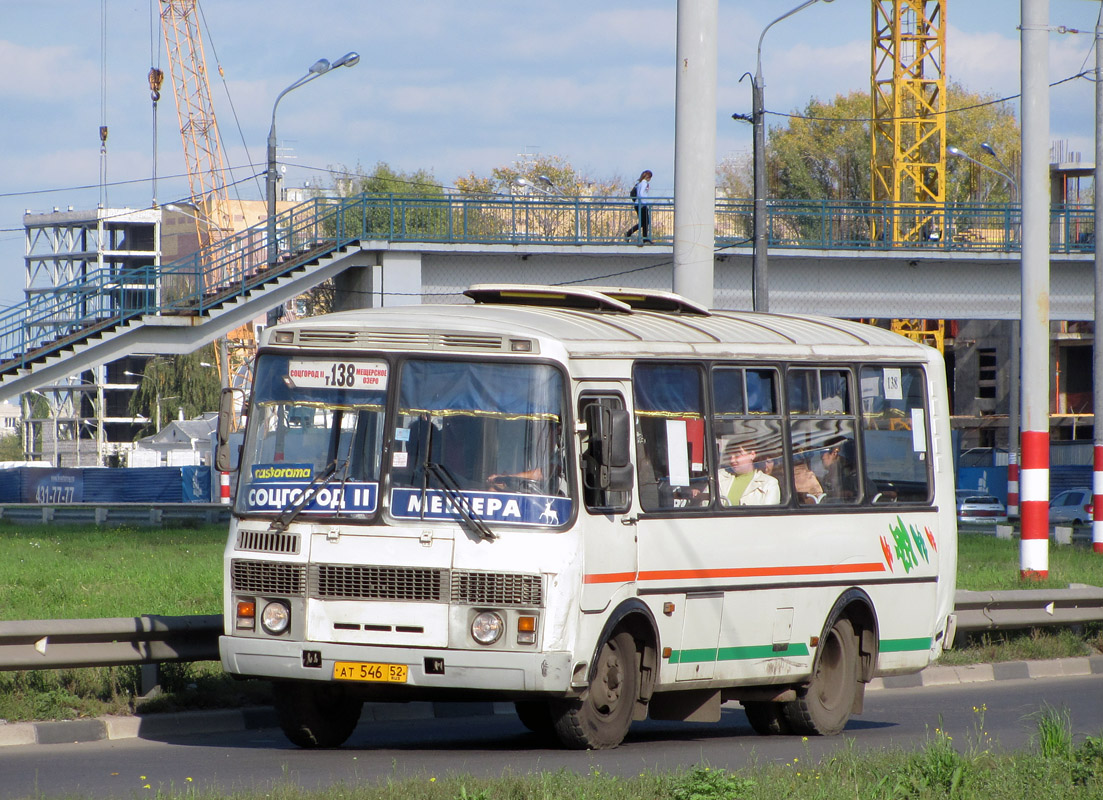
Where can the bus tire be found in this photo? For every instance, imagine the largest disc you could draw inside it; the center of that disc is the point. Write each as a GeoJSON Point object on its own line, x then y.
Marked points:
{"type": "Point", "coordinates": [316, 716]}
{"type": "Point", "coordinates": [823, 706]}
{"type": "Point", "coordinates": [600, 718]}
{"type": "Point", "coordinates": [766, 718]}
{"type": "Point", "coordinates": [536, 716]}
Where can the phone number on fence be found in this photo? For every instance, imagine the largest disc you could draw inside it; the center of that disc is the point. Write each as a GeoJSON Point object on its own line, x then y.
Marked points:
{"type": "Point", "coordinates": [54, 494]}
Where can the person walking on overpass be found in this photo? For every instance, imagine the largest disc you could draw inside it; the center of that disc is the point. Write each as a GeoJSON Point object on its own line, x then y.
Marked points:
{"type": "Point", "coordinates": [641, 196]}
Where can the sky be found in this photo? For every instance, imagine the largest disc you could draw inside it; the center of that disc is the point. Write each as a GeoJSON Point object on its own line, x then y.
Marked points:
{"type": "Point", "coordinates": [447, 86]}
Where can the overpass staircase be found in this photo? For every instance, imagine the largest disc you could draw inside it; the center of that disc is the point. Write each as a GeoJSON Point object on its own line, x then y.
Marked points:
{"type": "Point", "coordinates": [173, 308]}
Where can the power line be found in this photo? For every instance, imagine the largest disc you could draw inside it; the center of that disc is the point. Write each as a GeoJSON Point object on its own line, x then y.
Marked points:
{"type": "Point", "coordinates": [947, 112]}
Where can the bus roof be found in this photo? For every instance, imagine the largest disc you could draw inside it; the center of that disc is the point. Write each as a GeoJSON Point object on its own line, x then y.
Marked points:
{"type": "Point", "coordinates": [587, 321]}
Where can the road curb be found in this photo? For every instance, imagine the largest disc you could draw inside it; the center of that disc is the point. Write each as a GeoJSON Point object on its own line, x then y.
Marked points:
{"type": "Point", "coordinates": [191, 723]}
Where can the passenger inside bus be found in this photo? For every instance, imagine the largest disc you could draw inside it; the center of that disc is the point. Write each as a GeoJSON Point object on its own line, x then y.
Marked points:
{"type": "Point", "coordinates": [805, 483]}
{"type": "Point", "coordinates": [835, 471]}
{"type": "Point", "coordinates": [743, 482]}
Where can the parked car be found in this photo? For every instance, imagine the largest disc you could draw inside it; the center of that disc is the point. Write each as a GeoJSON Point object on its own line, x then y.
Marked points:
{"type": "Point", "coordinates": [979, 508]}
{"type": "Point", "coordinates": [1072, 506]}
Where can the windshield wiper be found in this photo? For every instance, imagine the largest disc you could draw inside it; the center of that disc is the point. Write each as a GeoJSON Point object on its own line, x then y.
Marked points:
{"type": "Point", "coordinates": [450, 488]}
{"type": "Point", "coordinates": [461, 502]}
{"type": "Point", "coordinates": [317, 483]}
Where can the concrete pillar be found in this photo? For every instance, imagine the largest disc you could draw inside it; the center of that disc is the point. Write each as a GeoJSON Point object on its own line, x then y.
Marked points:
{"type": "Point", "coordinates": [695, 151]}
{"type": "Point", "coordinates": [1034, 475]}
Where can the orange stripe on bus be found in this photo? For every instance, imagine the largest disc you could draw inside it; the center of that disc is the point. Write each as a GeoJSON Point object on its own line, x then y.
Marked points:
{"type": "Point", "coordinates": [739, 572]}
{"type": "Point", "coordinates": [610, 577]}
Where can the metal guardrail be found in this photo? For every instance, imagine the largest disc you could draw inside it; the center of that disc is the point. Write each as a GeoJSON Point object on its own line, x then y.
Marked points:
{"type": "Point", "coordinates": [63, 643]}
{"type": "Point", "coordinates": [57, 644]}
{"type": "Point", "coordinates": [136, 514]}
{"type": "Point", "coordinates": [1027, 608]}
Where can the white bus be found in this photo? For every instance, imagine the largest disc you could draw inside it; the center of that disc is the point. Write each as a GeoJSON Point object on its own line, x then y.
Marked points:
{"type": "Point", "coordinates": [602, 505]}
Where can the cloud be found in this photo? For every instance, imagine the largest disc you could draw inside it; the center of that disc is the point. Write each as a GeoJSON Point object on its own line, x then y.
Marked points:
{"type": "Point", "coordinates": [46, 74]}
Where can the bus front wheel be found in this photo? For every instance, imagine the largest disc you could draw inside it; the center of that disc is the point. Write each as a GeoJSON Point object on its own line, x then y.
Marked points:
{"type": "Point", "coordinates": [601, 717]}
{"type": "Point", "coordinates": [316, 715]}
{"type": "Point", "coordinates": [823, 706]}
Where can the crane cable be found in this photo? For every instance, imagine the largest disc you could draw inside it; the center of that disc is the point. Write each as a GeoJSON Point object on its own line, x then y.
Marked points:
{"type": "Point", "coordinates": [103, 103]}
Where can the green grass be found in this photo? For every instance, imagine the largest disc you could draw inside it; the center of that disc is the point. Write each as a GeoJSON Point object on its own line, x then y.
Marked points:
{"type": "Point", "coordinates": [986, 563]}
{"type": "Point", "coordinates": [84, 572]}
{"type": "Point", "coordinates": [70, 572]}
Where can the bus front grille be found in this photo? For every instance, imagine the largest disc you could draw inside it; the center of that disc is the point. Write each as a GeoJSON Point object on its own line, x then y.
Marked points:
{"type": "Point", "coordinates": [268, 542]}
{"type": "Point", "coordinates": [268, 577]}
{"type": "Point", "coordinates": [355, 582]}
{"type": "Point", "coordinates": [373, 582]}
{"type": "Point", "coordinates": [497, 589]}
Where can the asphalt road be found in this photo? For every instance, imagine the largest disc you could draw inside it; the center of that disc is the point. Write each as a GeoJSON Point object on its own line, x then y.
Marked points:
{"type": "Point", "coordinates": [254, 760]}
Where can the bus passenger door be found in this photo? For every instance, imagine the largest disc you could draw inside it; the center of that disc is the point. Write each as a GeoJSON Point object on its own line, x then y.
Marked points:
{"type": "Point", "coordinates": [609, 544]}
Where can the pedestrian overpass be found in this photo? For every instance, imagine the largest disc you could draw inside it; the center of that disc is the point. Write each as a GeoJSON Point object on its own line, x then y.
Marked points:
{"type": "Point", "coordinates": [392, 250]}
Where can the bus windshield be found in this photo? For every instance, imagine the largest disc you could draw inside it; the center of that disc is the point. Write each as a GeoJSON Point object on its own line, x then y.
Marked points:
{"type": "Point", "coordinates": [316, 436]}
{"type": "Point", "coordinates": [487, 436]}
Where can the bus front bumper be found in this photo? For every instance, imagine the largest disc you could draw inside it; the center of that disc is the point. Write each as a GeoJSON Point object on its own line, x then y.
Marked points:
{"type": "Point", "coordinates": [429, 669]}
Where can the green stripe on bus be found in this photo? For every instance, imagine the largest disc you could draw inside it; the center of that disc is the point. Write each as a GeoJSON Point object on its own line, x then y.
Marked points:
{"type": "Point", "coordinates": [900, 645]}
{"type": "Point", "coordinates": [736, 653]}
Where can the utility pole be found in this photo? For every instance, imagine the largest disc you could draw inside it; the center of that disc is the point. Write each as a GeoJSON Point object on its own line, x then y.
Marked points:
{"type": "Point", "coordinates": [1034, 476]}
{"type": "Point", "coordinates": [695, 151]}
{"type": "Point", "coordinates": [1097, 343]}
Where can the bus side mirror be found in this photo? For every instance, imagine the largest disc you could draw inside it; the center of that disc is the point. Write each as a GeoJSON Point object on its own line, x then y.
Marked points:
{"type": "Point", "coordinates": [224, 460]}
{"type": "Point", "coordinates": [608, 459]}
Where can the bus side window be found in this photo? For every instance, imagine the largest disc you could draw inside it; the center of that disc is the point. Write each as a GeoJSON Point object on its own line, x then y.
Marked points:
{"type": "Point", "coordinates": [823, 437]}
{"type": "Point", "coordinates": [672, 460]}
{"type": "Point", "coordinates": [747, 427]}
{"type": "Point", "coordinates": [895, 432]}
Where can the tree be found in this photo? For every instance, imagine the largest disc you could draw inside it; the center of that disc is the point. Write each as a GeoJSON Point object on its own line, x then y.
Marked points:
{"type": "Point", "coordinates": [384, 179]}
{"type": "Point", "coordinates": [375, 214]}
{"type": "Point", "coordinates": [563, 179]}
{"type": "Point", "coordinates": [173, 383]}
{"type": "Point", "coordinates": [823, 150]}
{"type": "Point", "coordinates": [11, 447]}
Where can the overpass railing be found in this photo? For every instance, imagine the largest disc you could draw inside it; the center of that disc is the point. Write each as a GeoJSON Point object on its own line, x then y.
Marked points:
{"type": "Point", "coordinates": [103, 298]}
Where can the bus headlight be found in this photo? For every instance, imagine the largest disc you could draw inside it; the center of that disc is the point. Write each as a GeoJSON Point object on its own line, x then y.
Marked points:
{"type": "Point", "coordinates": [276, 617]}
{"type": "Point", "coordinates": [487, 627]}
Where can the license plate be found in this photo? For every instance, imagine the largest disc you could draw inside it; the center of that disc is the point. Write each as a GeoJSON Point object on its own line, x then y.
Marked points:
{"type": "Point", "coordinates": [366, 671]}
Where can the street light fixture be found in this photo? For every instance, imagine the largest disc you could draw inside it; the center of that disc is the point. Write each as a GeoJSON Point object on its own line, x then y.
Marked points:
{"type": "Point", "coordinates": [317, 69]}
{"type": "Point", "coordinates": [156, 400]}
{"type": "Point", "coordinates": [990, 150]}
{"type": "Point", "coordinates": [760, 300]}
{"type": "Point", "coordinates": [957, 151]}
{"type": "Point", "coordinates": [526, 184]}
{"type": "Point", "coordinates": [544, 179]}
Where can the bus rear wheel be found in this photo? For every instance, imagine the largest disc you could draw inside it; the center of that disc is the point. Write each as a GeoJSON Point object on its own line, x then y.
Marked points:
{"type": "Point", "coordinates": [823, 706]}
{"type": "Point", "coordinates": [316, 715]}
{"type": "Point", "coordinates": [601, 717]}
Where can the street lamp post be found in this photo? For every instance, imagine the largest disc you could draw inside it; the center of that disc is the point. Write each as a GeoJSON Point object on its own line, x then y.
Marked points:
{"type": "Point", "coordinates": [1013, 382]}
{"type": "Point", "coordinates": [990, 150]}
{"type": "Point", "coordinates": [760, 300]}
{"type": "Point", "coordinates": [1014, 184]}
{"type": "Point", "coordinates": [319, 68]}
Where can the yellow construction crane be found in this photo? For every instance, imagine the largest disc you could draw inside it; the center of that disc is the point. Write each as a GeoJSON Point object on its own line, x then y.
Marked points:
{"type": "Point", "coordinates": [199, 132]}
{"type": "Point", "coordinates": [909, 133]}
{"type": "Point", "coordinates": [198, 127]}
{"type": "Point", "coordinates": [909, 119]}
